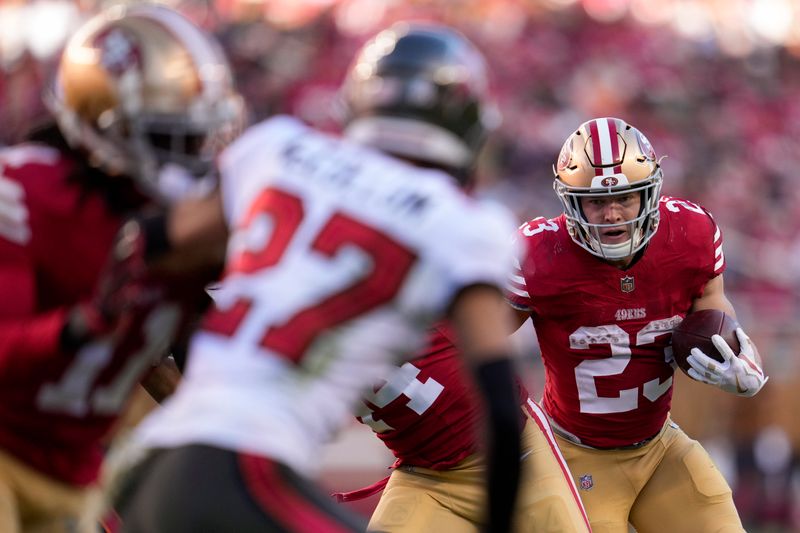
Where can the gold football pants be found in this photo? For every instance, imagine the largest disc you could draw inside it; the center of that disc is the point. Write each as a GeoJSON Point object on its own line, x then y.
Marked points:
{"type": "Point", "coordinates": [31, 502]}
{"type": "Point", "coordinates": [669, 484]}
{"type": "Point", "coordinates": [421, 500]}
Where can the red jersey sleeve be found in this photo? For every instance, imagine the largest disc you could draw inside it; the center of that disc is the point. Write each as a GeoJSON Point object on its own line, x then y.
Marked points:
{"type": "Point", "coordinates": [517, 290]}
{"type": "Point", "coordinates": [44, 271]}
{"type": "Point", "coordinates": [26, 336]}
{"type": "Point", "coordinates": [719, 255]}
{"type": "Point", "coordinates": [695, 229]}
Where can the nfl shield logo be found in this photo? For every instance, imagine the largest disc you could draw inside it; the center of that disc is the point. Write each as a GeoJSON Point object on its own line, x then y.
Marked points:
{"type": "Point", "coordinates": [626, 284]}
{"type": "Point", "coordinates": [585, 482]}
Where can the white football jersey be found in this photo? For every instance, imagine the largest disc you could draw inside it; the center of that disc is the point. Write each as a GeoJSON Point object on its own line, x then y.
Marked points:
{"type": "Point", "coordinates": [339, 259]}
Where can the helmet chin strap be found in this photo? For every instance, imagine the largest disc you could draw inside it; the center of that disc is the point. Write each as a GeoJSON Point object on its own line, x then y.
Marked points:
{"type": "Point", "coordinates": [621, 250]}
{"type": "Point", "coordinates": [616, 251]}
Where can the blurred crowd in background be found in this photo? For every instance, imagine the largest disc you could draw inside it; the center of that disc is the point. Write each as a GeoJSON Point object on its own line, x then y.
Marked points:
{"type": "Point", "coordinates": [714, 84]}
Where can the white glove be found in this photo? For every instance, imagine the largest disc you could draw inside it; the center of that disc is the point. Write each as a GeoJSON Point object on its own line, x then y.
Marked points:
{"type": "Point", "coordinates": [738, 375]}
{"type": "Point", "coordinates": [13, 212]}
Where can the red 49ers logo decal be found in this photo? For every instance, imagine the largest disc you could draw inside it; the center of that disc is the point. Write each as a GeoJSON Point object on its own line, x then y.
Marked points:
{"type": "Point", "coordinates": [645, 146]}
{"type": "Point", "coordinates": [119, 52]}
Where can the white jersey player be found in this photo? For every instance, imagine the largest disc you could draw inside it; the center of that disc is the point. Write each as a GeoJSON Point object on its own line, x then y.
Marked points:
{"type": "Point", "coordinates": [339, 258]}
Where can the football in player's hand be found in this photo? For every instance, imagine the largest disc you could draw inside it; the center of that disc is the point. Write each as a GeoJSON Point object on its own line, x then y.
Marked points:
{"type": "Point", "coordinates": [696, 330]}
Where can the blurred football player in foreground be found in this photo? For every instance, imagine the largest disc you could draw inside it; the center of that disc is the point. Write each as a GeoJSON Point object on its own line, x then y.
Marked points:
{"type": "Point", "coordinates": [340, 258]}
{"type": "Point", "coordinates": [604, 284]}
{"type": "Point", "coordinates": [428, 411]}
{"type": "Point", "coordinates": [139, 94]}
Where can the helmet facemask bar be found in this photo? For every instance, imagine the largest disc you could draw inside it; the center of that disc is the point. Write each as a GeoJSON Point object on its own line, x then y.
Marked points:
{"type": "Point", "coordinates": [588, 235]}
{"type": "Point", "coordinates": [178, 139]}
{"type": "Point", "coordinates": [139, 146]}
{"type": "Point", "coordinates": [157, 141]}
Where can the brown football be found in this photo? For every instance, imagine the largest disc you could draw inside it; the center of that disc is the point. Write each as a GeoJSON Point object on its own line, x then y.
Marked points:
{"type": "Point", "coordinates": [696, 330]}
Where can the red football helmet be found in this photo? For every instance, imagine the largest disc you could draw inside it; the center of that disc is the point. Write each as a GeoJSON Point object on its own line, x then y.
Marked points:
{"type": "Point", "coordinates": [140, 86]}
{"type": "Point", "coordinates": [607, 156]}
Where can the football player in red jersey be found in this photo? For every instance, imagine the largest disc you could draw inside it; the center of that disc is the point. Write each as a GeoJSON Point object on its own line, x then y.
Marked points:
{"type": "Point", "coordinates": [138, 92]}
{"type": "Point", "coordinates": [604, 284]}
{"type": "Point", "coordinates": [426, 413]}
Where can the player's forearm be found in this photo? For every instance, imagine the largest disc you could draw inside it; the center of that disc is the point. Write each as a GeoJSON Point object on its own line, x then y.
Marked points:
{"type": "Point", "coordinates": [162, 380]}
{"type": "Point", "coordinates": [496, 380]}
{"type": "Point", "coordinates": [483, 322]}
{"type": "Point", "coordinates": [197, 231]}
{"type": "Point", "coordinates": [185, 238]}
{"type": "Point", "coordinates": [714, 297]}
{"type": "Point", "coordinates": [482, 319]}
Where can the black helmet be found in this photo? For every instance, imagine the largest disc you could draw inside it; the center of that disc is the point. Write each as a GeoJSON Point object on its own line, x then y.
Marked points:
{"type": "Point", "coordinates": [420, 91]}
